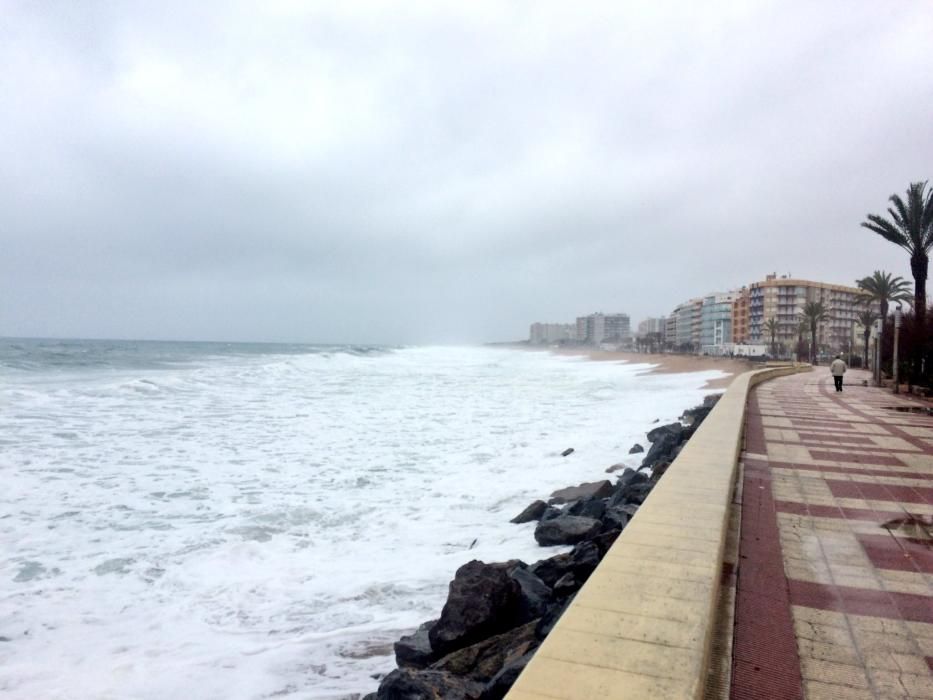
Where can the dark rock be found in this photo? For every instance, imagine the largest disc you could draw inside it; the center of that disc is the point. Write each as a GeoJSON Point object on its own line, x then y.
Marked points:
{"type": "Point", "coordinates": [566, 585]}
{"type": "Point", "coordinates": [427, 684]}
{"type": "Point", "coordinates": [566, 529]}
{"type": "Point", "coordinates": [505, 679]}
{"type": "Point", "coordinates": [630, 508]}
{"type": "Point", "coordinates": [658, 470]}
{"type": "Point", "coordinates": [711, 400]}
{"type": "Point", "coordinates": [616, 467]}
{"type": "Point", "coordinates": [673, 429]}
{"type": "Point", "coordinates": [629, 476]}
{"type": "Point", "coordinates": [693, 417]}
{"type": "Point", "coordinates": [587, 508]}
{"type": "Point", "coordinates": [604, 541]}
{"type": "Point", "coordinates": [596, 489]}
{"type": "Point", "coordinates": [581, 560]}
{"type": "Point", "coordinates": [551, 513]}
{"type": "Point", "coordinates": [633, 489]}
{"type": "Point", "coordinates": [483, 660]}
{"type": "Point", "coordinates": [414, 650]}
{"type": "Point", "coordinates": [615, 518]}
{"type": "Point", "coordinates": [568, 451]}
{"type": "Point", "coordinates": [632, 493]}
{"type": "Point", "coordinates": [635, 449]}
{"type": "Point", "coordinates": [660, 450]}
{"type": "Point", "coordinates": [552, 568]}
{"type": "Point", "coordinates": [481, 603]}
{"type": "Point", "coordinates": [532, 512]}
{"type": "Point", "coordinates": [536, 595]}
{"type": "Point", "coordinates": [546, 623]}
{"type": "Point", "coordinates": [370, 696]}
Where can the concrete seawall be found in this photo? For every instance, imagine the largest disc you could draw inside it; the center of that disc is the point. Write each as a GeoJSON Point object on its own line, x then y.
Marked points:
{"type": "Point", "coordinates": [642, 625]}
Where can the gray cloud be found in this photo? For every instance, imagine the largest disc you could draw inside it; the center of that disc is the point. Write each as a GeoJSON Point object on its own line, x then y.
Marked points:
{"type": "Point", "coordinates": [440, 172]}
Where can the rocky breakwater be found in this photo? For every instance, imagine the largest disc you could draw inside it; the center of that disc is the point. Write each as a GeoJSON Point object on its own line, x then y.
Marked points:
{"type": "Point", "coordinates": [496, 615]}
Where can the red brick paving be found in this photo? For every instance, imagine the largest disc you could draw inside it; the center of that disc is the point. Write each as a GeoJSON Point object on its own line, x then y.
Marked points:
{"type": "Point", "coordinates": [834, 585]}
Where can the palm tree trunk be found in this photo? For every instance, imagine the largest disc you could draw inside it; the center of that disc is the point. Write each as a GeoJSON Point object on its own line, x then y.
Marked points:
{"type": "Point", "coordinates": [918, 268]}
{"type": "Point", "coordinates": [867, 337]}
{"type": "Point", "coordinates": [813, 344]}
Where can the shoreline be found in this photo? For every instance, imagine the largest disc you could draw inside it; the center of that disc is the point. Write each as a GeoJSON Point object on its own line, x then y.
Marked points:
{"type": "Point", "coordinates": [664, 363]}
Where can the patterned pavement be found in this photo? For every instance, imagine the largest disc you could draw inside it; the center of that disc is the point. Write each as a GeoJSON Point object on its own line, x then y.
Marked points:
{"type": "Point", "coordinates": [834, 581]}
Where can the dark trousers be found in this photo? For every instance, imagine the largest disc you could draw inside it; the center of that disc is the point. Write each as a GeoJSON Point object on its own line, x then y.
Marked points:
{"type": "Point", "coordinates": [838, 381]}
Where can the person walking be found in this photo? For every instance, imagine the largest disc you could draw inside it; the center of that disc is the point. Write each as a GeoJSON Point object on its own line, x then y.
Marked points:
{"type": "Point", "coordinates": [838, 368]}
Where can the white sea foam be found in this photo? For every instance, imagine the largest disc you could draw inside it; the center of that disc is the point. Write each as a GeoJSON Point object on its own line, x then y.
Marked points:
{"type": "Point", "coordinates": [267, 525]}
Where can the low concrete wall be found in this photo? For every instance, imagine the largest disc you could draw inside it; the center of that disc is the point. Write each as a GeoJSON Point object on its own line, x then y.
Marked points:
{"type": "Point", "coordinates": [642, 625]}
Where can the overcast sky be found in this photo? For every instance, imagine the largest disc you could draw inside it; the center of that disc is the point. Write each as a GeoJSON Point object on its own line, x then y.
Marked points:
{"type": "Point", "coordinates": [416, 172]}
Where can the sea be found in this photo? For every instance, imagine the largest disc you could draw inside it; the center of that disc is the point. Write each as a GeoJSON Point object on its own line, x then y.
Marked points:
{"type": "Point", "coordinates": [245, 521]}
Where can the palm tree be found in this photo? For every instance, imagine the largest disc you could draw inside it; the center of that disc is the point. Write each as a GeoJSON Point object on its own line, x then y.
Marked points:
{"type": "Point", "coordinates": [885, 288]}
{"type": "Point", "coordinates": [814, 313]}
{"type": "Point", "coordinates": [771, 325]}
{"type": "Point", "coordinates": [802, 327]}
{"type": "Point", "coordinates": [910, 227]}
{"type": "Point", "coordinates": [866, 318]}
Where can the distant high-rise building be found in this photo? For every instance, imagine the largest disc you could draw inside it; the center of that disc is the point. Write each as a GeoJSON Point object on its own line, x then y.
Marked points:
{"type": "Point", "coordinates": [688, 325]}
{"type": "Point", "coordinates": [653, 325]}
{"type": "Point", "coordinates": [740, 333]}
{"type": "Point", "coordinates": [546, 333]}
{"type": "Point", "coordinates": [604, 328]}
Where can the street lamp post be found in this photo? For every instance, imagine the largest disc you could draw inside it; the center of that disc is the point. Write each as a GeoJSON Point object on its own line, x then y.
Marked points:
{"type": "Point", "coordinates": [897, 331]}
{"type": "Point", "coordinates": [877, 363]}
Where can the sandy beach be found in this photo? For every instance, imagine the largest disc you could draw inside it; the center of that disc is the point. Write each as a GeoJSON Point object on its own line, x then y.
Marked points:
{"type": "Point", "coordinates": [664, 363]}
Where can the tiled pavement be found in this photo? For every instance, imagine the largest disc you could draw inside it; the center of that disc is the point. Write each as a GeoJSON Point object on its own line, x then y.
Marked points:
{"type": "Point", "coordinates": [834, 582]}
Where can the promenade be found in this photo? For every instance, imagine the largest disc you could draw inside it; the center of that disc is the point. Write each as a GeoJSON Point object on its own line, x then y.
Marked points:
{"type": "Point", "coordinates": [833, 577]}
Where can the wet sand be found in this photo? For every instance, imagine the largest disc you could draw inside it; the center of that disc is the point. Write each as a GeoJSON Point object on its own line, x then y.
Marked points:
{"type": "Point", "coordinates": [666, 363]}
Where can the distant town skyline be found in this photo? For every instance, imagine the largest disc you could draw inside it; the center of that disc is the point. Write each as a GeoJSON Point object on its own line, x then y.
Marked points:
{"type": "Point", "coordinates": [441, 172]}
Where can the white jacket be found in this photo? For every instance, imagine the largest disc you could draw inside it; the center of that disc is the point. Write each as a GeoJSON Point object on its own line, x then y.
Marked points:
{"type": "Point", "coordinates": [838, 367]}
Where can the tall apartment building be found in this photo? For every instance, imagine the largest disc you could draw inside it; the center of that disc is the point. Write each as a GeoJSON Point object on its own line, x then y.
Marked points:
{"type": "Point", "coordinates": [689, 324]}
{"type": "Point", "coordinates": [652, 325]}
{"type": "Point", "coordinates": [599, 328]}
{"type": "Point", "coordinates": [546, 333]}
{"type": "Point", "coordinates": [670, 330]}
{"type": "Point", "coordinates": [716, 321]}
{"type": "Point", "coordinates": [784, 298]}
{"type": "Point", "coordinates": [740, 327]}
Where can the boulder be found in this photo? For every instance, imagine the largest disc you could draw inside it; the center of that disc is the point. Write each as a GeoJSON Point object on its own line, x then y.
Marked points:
{"type": "Point", "coordinates": [629, 489]}
{"type": "Point", "coordinates": [581, 560]}
{"type": "Point", "coordinates": [532, 512]}
{"type": "Point", "coordinates": [551, 513]}
{"type": "Point", "coordinates": [587, 508]}
{"type": "Point", "coordinates": [604, 541]}
{"type": "Point", "coordinates": [658, 470]}
{"type": "Point", "coordinates": [481, 602]}
{"type": "Point", "coordinates": [427, 684]}
{"type": "Point", "coordinates": [483, 660]}
{"type": "Point", "coordinates": [546, 623]}
{"type": "Point", "coordinates": [672, 429]}
{"type": "Point", "coordinates": [536, 596]}
{"type": "Point", "coordinates": [660, 450]}
{"type": "Point", "coordinates": [597, 489]}
{"type": "Point", "coordinates": [616, 467]}
{"type": "Point", "coordinates": [505, 679]}
{"type": "Point", "coordinates": [615, 518]}
{"type": "Point", "coordinates": [635, 449]}
{"type": "Point", "coordinates": [629, 476]}
{"type": "Point", "coordinates": [414, 650]}
{"type": "Point", "coordinates": [566, 529]}
{"type": "Point", "coordinates": [632, 493]}
{"type": "Point", "coordinates": [566, 585]}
